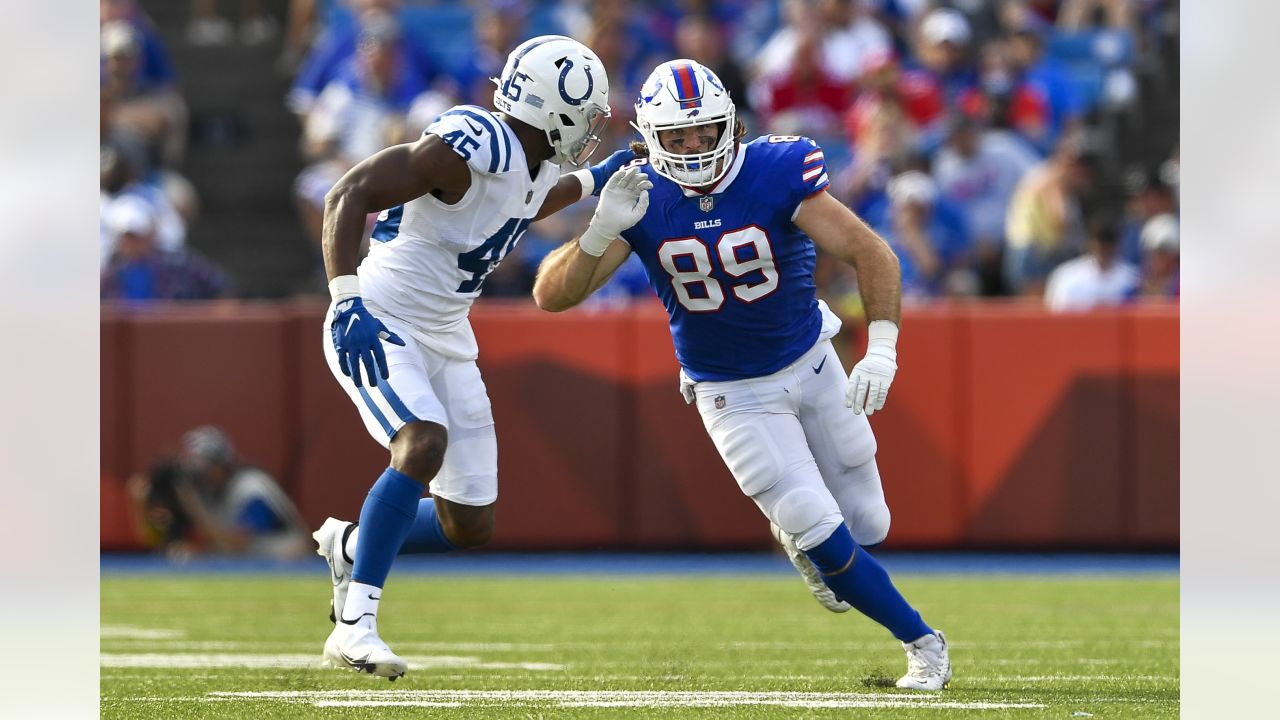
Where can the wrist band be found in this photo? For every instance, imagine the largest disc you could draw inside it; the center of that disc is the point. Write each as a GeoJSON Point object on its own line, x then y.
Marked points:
{"type": "Point", "coordinates": [587, 179]}
{"type": "Point", "coordinates": [882, 332]}
{"type": "Point", "coordinates": [344, 286]}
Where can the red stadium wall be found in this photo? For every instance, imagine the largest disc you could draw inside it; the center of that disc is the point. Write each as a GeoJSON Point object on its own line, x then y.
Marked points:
{"type": "Point", "coordinates": [1007, 427]}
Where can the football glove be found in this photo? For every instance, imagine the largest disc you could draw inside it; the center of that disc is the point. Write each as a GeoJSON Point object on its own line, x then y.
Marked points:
{"type": "Point", "coordinates": [623, 202]}
{"type": "Point", "coordinates": [357, 337]}
{"type": "Point", "coordinates": [871, 377]}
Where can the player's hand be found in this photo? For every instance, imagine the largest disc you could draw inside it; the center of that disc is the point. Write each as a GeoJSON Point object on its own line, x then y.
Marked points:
{"type": "Point", "coordinates": [357, 336]}
{"type": "Point", "coordinates": [602, 172]}
{"type": "Point", "coordinates": [623, 202]}
{"type": "Point", "coordinates": [871, 377]}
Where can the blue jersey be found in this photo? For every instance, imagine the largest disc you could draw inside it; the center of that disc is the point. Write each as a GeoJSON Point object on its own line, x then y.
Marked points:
{"type": "Point", "coordinates": [733, 271]}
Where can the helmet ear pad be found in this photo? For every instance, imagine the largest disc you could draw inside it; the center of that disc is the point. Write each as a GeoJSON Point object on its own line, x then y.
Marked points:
{"type": "Point", "coordinates": [680, 94]}
{"type": "Point", "coordinates": [558, 85]}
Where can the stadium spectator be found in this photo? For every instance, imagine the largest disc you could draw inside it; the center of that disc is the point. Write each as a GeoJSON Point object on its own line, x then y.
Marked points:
{"type": "Point", "coordinates": [796, 89]}
{"type": "Point", "coordinates": [208, 499]}
{"type": "Point", "coordinates": [1043, 226]}
{"type": "Point", "coordinates": [361, 111]}
{"type": "Point", "coordinates": [928, 236]}
{"type": "Point", "coordinates": [139, 270]}
{"type": "Point", "coordinates": [150, 107]}
{"type": "Point", "coordinates": [913, 92]}
{"type": "Point", "coordinates": [1043, 105]}
{"type": "Point", "coordinates": [334, 50]}
{"type": "Point", "coordinates": [120, 183]}
{"type": "Point", "coordinates": [1160, 268]}
{"type": "Point", "coordinates": [1099, 278]}
{"type": "Point", "coordinates": [208, 27]}
{"type": "Point", "coordinates": [1149, 195]}
{"type": "Point", "coordinates": [499, 26]}
{"type": "Point", "coordinates": [977, 170]}
{"type": "Point", "coordinates": [943, 49]}
{"type": "Point", "coordinates": [699, 38]}
{"type": "Point", "coordinates": [154, 67]}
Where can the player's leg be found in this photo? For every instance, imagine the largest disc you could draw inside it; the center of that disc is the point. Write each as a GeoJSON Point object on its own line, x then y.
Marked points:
{"type": "Point", "coordinates": [466, 489]}
{"type": "Point", "coordinates": [460, 513]}
{"type": "Point", "coordinates": [844, 448]}
{"type": "Point", "coordinates": [404, 415]}
{"type": "Point", "coordinates": [768, 454]}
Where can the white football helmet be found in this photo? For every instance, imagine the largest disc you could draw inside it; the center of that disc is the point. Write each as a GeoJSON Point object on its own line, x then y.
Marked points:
{"type": "Point", "coordinates": [682, 93]}
{"type": "Point", "coordinates": [559, 86]}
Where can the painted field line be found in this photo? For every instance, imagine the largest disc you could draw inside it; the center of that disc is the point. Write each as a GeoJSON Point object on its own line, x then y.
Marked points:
{"type": "Point", "coordinates": [1072, 678]}
{"type": "Point", "coordinates": [615, 698]}
{"type": "Point", "coordinates": [188, 661]}
{"type": "Point", "coordinates": [138, 633]}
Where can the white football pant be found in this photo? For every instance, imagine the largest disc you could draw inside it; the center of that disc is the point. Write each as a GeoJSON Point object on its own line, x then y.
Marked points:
{"type": "Point", "coordinates": [806, 460]}
{"type": "Point", "coordinates": [426, 385]}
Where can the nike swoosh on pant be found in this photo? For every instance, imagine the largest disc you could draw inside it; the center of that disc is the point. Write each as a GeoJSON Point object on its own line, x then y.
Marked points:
{"type": "Point", "coordinates": [819, 368]}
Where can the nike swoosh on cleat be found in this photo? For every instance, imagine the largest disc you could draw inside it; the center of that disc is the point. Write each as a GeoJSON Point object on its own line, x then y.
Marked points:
{"type": "Point", "coordinates": [819, 368]}
{"type": "Point", "coordinates": [353, 622]}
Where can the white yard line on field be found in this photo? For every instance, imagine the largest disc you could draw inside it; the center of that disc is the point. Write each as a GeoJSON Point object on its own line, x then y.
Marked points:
{"type": "Point", "coordinates": [614, 698]}
{"type": "Point", "coordinates": [187, 661]}
{"type": "Point", "coordinates": [137, 633]}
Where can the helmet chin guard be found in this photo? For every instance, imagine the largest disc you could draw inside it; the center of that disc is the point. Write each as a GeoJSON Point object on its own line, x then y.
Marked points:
{"type": "Point", "coordinates": [559, 86]}
{"type": "Point", "coordinates": [681, 94]}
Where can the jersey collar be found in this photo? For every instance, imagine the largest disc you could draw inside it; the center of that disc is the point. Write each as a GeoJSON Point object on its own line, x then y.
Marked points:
{"type": "Point", "coordinates": [724, 182]}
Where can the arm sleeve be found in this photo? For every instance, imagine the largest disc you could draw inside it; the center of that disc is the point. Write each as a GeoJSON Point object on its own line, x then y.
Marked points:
{"type": "Point", "coordinates": [477, 137]}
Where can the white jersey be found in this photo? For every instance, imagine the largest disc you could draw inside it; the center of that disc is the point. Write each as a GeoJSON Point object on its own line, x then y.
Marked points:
{"type": "Point", "coordinates": [427, 260]}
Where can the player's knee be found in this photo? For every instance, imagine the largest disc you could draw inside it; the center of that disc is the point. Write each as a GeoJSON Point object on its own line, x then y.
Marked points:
{"type": "Point", "coordinates": [870, 526]}
{"type": "Point", "coordinates": [468, 527]}
{"type": "Point", "coordinates": [807, 514]}
{"type": "Point", "coordinates": [418, 450]}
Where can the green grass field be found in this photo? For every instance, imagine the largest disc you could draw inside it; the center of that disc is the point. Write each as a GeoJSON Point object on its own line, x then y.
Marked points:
{"type": "Point", "coordinates": [218, 646]}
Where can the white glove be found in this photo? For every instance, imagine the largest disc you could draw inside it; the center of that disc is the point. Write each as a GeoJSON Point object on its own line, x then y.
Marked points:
{"type": "Point", "coordinates": [871, 377]}
{"type": "Point", "coordinates": [623, 201]}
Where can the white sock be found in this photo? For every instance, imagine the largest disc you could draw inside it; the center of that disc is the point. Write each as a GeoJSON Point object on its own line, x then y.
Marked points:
{"type": "Point", "coordinates": [362, 602]}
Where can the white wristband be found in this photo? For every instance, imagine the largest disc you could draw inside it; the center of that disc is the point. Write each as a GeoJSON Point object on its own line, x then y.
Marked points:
{"type": "Point", "coordinates": [586, 179]}
{"type": "Point", "coordinates": [593, 242]}
{"type": "Point", "coordinates": [882, 333]}
{"type": "Point", "coordinates": [344, 286]}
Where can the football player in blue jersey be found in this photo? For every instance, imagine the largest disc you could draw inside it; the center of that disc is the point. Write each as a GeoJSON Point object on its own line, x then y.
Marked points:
{"type": "Point", "coordinates": [728, 245]}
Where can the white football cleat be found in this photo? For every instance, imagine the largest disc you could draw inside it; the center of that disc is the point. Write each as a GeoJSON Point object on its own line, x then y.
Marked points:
{"type": "Point", "coordinates": [357, 647]}
{"type": "Point", "coordinates": [329, 540]}
{"type": "Point", "coordinates": [928, 663]}
{"type": "Point", "coordinates": [812, 578]}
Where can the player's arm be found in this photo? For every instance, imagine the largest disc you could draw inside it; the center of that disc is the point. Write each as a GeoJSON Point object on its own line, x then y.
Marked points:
{"type": "Point", "coordinates": [568, 275]}
{"type": "Point", "coordinates": [571, 273]}
{"type": "Point", "coordinates": [577, 185]}
{"type": "Point", "coordinates": [391, 177]}
{"type": "Point", "coordinates": [838, 231]}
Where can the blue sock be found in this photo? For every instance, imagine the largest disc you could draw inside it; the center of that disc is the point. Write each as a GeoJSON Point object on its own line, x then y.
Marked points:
{"type": "Point", "coordinates": [855, 577]}
{"type": "Point", "coordinates": [426, 535]}
{"type": "Point", "coordinates": [385, 521]}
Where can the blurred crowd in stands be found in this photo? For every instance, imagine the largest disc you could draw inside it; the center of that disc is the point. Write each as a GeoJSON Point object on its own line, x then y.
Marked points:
{"type": "Point", "coordinates": [990, 142]}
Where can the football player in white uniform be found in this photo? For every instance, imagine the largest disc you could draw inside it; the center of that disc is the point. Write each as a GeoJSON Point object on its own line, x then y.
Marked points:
{"type": "Point", "coordinates": [397, 338]}
{"type": "Point", "coordinates": [730, 250]}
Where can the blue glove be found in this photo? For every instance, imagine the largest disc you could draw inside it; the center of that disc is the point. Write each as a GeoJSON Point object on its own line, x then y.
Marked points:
{"type": "Point", "coordinates": [601, 173]}
{"type": "Point", "coordinates": [357, 337]}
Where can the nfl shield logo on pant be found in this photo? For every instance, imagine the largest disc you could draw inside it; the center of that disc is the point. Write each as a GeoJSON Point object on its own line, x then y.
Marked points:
{"type": "Point", "coordinates": [719, 402]}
